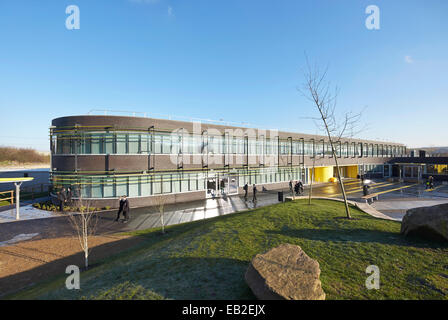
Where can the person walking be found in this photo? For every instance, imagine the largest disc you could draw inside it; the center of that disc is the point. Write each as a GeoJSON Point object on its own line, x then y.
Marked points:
{"type": "Point", "coordinates": [365, 189]}
{"type": "Point", "coordinates": [124, 207]}
{"type": "Point", "coordinates": [296, 188]}
{"type": "Point", "coordinates": [222, 186]}
{"type": "Point", "coordinates": [61, 198]}
{"type": "Point", "coordinates": [431, 182]}
{"type": "Point", "coordinates": [254, 189]}
{"type": "Point", "coordinates": [290, 186]}
{"type": "Point", "coordinates": [245, 188]}
{"type": "Point", "coordinates": [300, 187]}
{"type": "Point", "coordinates": [68, 197]}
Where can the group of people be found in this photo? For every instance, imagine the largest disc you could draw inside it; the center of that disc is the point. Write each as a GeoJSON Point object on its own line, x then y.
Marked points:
{"type": "Point", "coordinates": [254, 192]}
{"type": "Point", "coordinates": [124, 207]}
{"type": "Point", "coordinates": [64, 197]}
{"type": "Point", "coordinates": [297, 187]}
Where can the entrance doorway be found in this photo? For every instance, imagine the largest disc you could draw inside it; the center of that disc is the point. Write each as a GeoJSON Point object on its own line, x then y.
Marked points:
{"type": "Point", "coordinates": [412, 173]}
{"type": "Point", "coordinates": [220, 185]}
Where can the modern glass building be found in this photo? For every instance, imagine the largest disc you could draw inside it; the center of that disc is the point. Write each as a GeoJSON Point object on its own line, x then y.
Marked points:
{"type": "Point", "coordinates": [104, 157]}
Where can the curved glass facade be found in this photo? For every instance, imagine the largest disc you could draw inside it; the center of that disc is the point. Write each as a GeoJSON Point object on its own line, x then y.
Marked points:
{"type": "Point", "coordinates": [165, 143]}
{"type": "Point", "coordinates": [141, 185]}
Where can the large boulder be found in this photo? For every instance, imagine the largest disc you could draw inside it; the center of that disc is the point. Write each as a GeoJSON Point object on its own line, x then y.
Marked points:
{"type": "Point", "coordinates": [428, 222]}
{"type": "Point", "coordinates": [285, 273]}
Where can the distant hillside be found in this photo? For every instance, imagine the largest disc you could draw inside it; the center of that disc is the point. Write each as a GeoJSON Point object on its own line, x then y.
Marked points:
{"type": "Point", "coordinates": [21, 155]}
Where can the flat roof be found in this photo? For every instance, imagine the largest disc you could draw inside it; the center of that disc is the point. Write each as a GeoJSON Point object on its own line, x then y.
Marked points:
{"type": "Point", "coordinates": [10, 180]}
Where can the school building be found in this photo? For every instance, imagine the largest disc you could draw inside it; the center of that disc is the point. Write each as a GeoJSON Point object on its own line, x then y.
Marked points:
{"type": "Point", "coordinates": [104, 157]}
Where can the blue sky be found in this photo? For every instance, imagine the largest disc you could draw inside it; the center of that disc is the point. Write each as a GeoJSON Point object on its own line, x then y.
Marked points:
{"type": "Point", "coordinates": [237, 60]}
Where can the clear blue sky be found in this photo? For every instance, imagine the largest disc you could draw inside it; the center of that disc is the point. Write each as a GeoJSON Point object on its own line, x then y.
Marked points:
{"type": "Point", "coordinates": [237, 60]}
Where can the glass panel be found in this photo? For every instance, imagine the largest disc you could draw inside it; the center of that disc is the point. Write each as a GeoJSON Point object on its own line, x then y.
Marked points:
{"type": "Point", "coordinates": [97, 145]}
{"type": "Point", "coordinates": [175, 182]}
{"type": "Point", "coordinates": [134, 141]}
{"type": "Point", "coordinates": [97, 188]}
{"type": "Point", "coordinates": [121, 143]}
{"type": "Point", "coordinates": [157, 144]}
{"type": "Point", "coordinates": [122, 186]}
{"type": "Point", "coordinates": [166, 183]}
{"type": "Point", "coordinates": [157, 184]}
{"type": "Point", "coordinates": [185, 186]}
{"type": "Point", "coordinates": [144, 143]}
{"type": "Point", "coordinates": [109, 187]}
{"type": "Point", "coordinates": [166, 144]}
{"type": "Point", "coordinates": [109, 140]}
{"type": "Point", "coordinates": [134, 188]}
{"type": "Point", "coordinates": [145, 183]}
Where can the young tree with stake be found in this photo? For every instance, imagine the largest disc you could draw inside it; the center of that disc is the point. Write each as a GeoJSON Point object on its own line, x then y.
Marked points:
{"type": "Point", "coordinates": [84, 223]}
{"type": "Point", "coordinates": [319, 92]}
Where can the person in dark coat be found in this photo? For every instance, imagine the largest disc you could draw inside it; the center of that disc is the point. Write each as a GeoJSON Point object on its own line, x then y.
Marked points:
{"type": "Point", "coordinates": [431, 182]}
{"type": "Point", "coordinates": [124, 207]}
{"type": "Point", "coordinates": [365, 189]}
{"type": "Point", "coordinates": [68, 196]}
{"type": "Point", "coordinates": [300, 187]}
{"type": "Point", "coordinates": [296, 188]}
{"type": "Point", "coordinates": [254, 188]}
{"type": "Point", "coordinates": [62, 199]}
{"type": "Point", "coordinates": [245, 188]}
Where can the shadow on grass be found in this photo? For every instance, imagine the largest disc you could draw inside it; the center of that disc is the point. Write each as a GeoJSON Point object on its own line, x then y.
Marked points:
{"type": "Point", "coordinates": [13, 283]}
{"type": "Point", "coordinates": [359, 235]}
{"type": "Point", "coordinates": [171, 278]}
{"type": "Point", "coordinates": [182, 278]}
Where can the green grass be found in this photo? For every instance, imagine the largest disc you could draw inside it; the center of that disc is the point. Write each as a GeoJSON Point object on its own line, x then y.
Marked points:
{"type": "Point", "coordinates": [207, 259]}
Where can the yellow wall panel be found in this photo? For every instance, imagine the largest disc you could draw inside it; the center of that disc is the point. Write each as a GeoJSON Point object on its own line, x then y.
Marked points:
{"type": "Point", "coordinates": [352, 171]}
{"type": "Point", "coordinates": [323, 174]}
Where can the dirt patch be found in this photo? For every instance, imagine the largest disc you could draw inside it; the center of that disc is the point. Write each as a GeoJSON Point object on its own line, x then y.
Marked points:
{"type": "Point", "coordinates": [28, 262]}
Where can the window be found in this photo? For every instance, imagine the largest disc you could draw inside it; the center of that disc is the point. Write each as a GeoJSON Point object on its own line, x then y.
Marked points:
{"type": "Point", "coordinates": [121, 143]}
{"type": "Point", "coordinates": [166, 144]}
{"type": "Point", "coordinates": [134, 186]}
{"type": "Point", "coordinates": [109, 187]}
{"type": "Point", "coordinates": [134, 141]}
{"type": "Point", "coordinates": [121, 186]}
{"type": "Point", "coordinates": [146, 189]}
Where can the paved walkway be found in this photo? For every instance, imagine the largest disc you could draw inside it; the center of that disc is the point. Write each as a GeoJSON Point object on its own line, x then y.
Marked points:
{"type": "Point", "coordinates": [396, 209]}
{"type": "Point", "coordinates": [144, 218]}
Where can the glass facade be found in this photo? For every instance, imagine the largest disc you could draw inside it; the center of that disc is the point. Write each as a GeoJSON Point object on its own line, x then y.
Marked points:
{"type": "Point", "coordinates": [141, 185]}
{"type": "Point", "coordinates": [107, 185]}
{"type": "Point", "coordinates": [177, 143]}
{"type": "Point", "coordinates": [436, 169]}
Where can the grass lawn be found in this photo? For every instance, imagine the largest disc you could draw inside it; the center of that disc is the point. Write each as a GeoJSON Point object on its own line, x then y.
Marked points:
{"type": "Point", "coordinates": [207, 259]}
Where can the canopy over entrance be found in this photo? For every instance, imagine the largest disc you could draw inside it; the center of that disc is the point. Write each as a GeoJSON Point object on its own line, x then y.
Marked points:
{"type": "Point", "coordinates": [13, 180]}
{"type": "Point", "coordinates": [17, 182]}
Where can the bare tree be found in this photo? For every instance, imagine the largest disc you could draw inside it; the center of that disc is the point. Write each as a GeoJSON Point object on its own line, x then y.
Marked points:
{"type": "Point", "coordinates": [160, 205]}
{"type": "Point", "coordinates": [85, 224]}
{"type": "Point", "coordinates": [319, 92]}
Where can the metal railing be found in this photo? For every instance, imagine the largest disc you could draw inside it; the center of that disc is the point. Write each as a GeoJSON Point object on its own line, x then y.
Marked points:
{"type": "Point", "coordinates": [10, 198]}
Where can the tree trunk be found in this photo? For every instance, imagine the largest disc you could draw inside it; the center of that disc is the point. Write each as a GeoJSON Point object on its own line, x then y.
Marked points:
{"type": "Point", "coordinates": [347, 209]}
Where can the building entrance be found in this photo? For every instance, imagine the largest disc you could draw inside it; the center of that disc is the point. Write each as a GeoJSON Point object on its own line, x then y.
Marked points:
{"type": "Point", "coordinates": [219, 185]}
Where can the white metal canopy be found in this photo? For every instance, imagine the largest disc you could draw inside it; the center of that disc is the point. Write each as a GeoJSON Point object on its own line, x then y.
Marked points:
{"type": "Point", "coordinates": [17, 182]}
